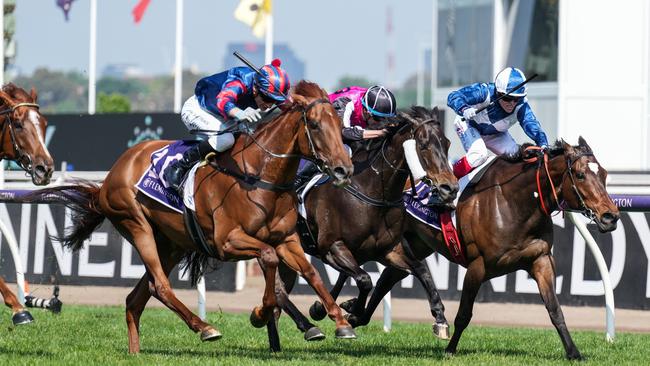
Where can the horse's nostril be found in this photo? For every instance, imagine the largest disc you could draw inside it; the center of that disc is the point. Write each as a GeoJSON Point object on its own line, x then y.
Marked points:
{"type": "Point", "coordinates": [447, 190]}
{"type": "Point", "coordinates": [40, 170]}
{"type": "Point", "coordinates": [609, 218]}
{"type": "Point", "coordinates": [340, 171]}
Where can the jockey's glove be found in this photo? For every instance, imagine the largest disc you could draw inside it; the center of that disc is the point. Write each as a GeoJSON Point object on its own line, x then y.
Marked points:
{"type": "Point", "coordinates": [469, 113]}
{"type": "Point", "coordinates": [249, 114]}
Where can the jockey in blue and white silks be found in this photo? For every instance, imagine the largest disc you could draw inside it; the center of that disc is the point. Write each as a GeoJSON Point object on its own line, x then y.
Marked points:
{"type": "Point", "coordinates": [488, 129]}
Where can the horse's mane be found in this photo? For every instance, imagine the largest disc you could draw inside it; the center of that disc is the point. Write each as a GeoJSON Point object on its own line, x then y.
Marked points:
{"type": "Point", "coordinates": [308, 89]}
{"type": "Point", "coordinates": [555, 149]}
{"type": "Point", "coordinates": [416, 114]}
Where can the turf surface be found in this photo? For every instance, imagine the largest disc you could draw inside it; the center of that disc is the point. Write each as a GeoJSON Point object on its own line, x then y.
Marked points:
{"type": "Point", "coordinates": [84, 335]}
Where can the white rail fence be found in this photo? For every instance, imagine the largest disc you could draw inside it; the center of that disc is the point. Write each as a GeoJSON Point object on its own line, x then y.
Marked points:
{"type": "Point", "coordinates": [618, 183]}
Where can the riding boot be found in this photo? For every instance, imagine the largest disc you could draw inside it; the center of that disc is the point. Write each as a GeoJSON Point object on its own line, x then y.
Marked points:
{"type": "Point", "coordinates": [304, 174]}
{"type": "Point", "coordinates": [174, 174]}
{"type": "Point", "coordinates": [462, 167]}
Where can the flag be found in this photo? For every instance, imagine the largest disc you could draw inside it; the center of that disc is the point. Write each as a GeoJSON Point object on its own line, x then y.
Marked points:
{"type": "Point", "coordinates": [139, 9]}
{"type": "Point", "coordinates": [254, 13]}
{"type": "Point", "coordinates": [65, 6]}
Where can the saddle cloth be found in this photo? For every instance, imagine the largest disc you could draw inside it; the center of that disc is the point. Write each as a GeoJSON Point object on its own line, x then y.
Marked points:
{"type": "Point", "coordinates": [153, 185]}
{"type": "Point", "coordinates": [416, 206]}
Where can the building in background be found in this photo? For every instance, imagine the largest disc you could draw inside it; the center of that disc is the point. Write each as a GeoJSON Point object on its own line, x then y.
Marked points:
{"type": "Point", "coordinates": [255, 53]}
{"type": "Point", "coordinates": [593, 80]}
{"type": "Point", "coordinates": [122, 71]}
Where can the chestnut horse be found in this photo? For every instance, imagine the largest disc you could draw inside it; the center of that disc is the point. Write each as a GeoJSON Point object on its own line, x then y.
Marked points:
{"type": "Point", "coordinates": [248, 211]}
{"type": "Point", "coordinates": [364, 223]}
{"type": "Point", "coordinates": [23, 141]}
{"type": "Point", "coordinates": [504, 225]}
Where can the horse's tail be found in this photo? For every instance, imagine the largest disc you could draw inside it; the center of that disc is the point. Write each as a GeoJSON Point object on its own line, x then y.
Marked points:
{"type": "Point", "coordinates": [82, 198]}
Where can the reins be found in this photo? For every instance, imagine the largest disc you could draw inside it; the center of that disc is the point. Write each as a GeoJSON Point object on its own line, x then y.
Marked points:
{"type": "Point", "coordinates": [584, 209]}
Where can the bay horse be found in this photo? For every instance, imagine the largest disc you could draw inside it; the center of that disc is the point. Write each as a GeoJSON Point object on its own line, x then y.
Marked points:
{"type": "Point", "coordinates": [23, 141]}
{"type": "Point", "coordinates": [504, 225]}
{"type": "Point", "coordinates": [244, 204]}
{"type": "Point", "coordinates": [364, 222]}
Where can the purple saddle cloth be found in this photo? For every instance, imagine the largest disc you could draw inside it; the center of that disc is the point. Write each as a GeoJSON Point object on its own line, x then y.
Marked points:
{"type": "Point", "coordinates": [416, 206]}
{"type": "Point", "coordinates": [152, 183]}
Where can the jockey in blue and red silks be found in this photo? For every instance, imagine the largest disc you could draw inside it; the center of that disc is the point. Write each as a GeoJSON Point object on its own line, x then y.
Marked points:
{"type": "Point", "coordinates": [363, 112]}
{"type": "Point", "coordinates": [488, 129]}
{"type": "Point", "coordinates": [221, 101]}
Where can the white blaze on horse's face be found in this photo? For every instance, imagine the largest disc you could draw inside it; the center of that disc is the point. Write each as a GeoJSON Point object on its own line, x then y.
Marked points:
{"type": "Point", "coordinates": [32, 116]}
{"type": "Point", "coordinates": [593, 167]}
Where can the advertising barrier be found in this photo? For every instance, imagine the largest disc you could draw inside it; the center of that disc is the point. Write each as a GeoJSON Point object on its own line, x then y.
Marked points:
{"type": "Point", "coordinates": [106, 260]}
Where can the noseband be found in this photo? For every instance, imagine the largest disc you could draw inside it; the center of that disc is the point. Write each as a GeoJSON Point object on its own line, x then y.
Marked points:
{"type": "Point", "coordinates": [23, 159]}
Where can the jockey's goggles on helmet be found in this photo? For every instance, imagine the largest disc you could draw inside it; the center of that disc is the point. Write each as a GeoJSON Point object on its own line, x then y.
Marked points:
{"type": "Point", "coordinates": [510, 98]}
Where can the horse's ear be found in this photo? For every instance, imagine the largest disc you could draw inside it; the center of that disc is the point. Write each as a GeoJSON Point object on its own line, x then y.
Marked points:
{"type": "Point", "coordinates": [566, 146]}
{"type": "Point", "coordinates": [33, 94]}
{"type": "Point", "coordinates": [5, 98]}
{"type": "Point", "coordinates": [583, 142]}
{"type": "Point", "coordinates": [299, 99]}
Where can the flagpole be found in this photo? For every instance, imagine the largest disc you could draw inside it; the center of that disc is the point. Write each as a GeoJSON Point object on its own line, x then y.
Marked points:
{"type": "Point", "coordinates": [93, 57]}
{"type": "Point", "coordinates": [268, 44]}
{"type": "Point", "coordinates": [178, 69]}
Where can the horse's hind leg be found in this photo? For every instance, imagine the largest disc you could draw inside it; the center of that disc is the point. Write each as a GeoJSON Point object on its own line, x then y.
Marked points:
{"type": "Point", "coordinates": [543, 270]}
{"type": "Point", "coordinates": [19, 314]}
{"type": "Point", "coordinates": [388, 278]}
{"type": "Point", "coordinates": [292, 254]}
{"type": "Point", "coordinates": [143, 240]}
{"type": "Point", "coordinates": [399, 258]}
{"type": "Point", "coordinates": [471, 284]}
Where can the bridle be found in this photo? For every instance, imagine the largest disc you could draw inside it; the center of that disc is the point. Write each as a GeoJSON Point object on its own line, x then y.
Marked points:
{"type": "Point", "coordinates": [23, 159]}
{"type": "Point", "coordinates": [586, 211]}
{"type": "Point", "coordinates": [256, 180]}
{"type": "Point", "coordinates": [382, 152]}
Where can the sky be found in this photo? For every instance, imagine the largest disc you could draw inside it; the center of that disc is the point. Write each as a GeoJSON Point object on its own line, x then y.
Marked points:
{"type": "Point", "coordinates": [334, 37]}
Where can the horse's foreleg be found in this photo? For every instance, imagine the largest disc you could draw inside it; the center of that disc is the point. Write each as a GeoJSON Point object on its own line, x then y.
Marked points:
{"type": "Point", "coordinates": [399, 258]}
{"type": "Point", "coordinates": [343, 260]}
{"type": "Point", "coordinates": [317, 310]}
{"type": "Point", "coordinates": [473, 280]}
{"type": "Point", "coordinates": [241, 245]}
{"type": "Point", "coordinates": [292, 254]}
{"type": "Point", "coordinates": [543, 270]}
{"type": "Point", "coordinates": [285, 280]}
{"type": "Point", "coordinates": [19, 314]}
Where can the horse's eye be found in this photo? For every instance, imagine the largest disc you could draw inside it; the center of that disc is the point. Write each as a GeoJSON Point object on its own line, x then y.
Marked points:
{"type": "Point", "coordinates": [580, 175]}
{"type": "Point", "coordinates": [18, 127]}
{"type": "Point", "coordinates": [313, 124]}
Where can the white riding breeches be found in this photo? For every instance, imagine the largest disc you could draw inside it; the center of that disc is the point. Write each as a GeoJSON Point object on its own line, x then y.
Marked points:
{"type": "Point", "coordinates": [196, 118]}
{"type": "Point", "coordinates": [477, 146]}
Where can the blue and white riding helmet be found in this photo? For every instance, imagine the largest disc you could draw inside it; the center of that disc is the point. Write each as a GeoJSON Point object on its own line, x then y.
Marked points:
{"type": "Point", "coordinates": [508, 79]}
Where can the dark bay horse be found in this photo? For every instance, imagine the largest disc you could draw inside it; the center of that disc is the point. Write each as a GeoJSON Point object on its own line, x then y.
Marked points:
{"type": "Point", "coordinates": [247, 213]}
{"type": "Point", "coordinates": [504, 226]}
{"type": "Point", "coordinates": [364, 222]}
{"type": "Point", "coordinates": [23, 141]}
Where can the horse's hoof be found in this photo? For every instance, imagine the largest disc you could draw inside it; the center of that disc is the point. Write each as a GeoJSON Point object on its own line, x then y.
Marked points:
{"type": "Point", "coordinates": [575, 356]}
{"type": "Point", "coordinates": [348, 305]}
{"type": "Point", "coordinates": [317, 311]}
{"type": "Point", "coordinates": [352, 319]}
{"type": "Point", "coordinates": [441, 330]}
{"type": "Point", "coordinates": [22, 317]}
{"type": "Point", "coordinates": [314, 334]}
{"type": "Point", "coordinates": [256, 321]}
{"type": "Point", "coordinates": [345, 333]}
{"type": "Point", "coordinates": [210, 334]}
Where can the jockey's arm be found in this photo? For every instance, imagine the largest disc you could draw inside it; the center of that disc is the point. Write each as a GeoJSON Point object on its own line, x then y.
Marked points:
{"type": "Point", "coordinates": [228, 96]}
{"type": "Point", "coordinates": [468, 96]}
{"type": "Point", "coordinates": [531, 125]}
